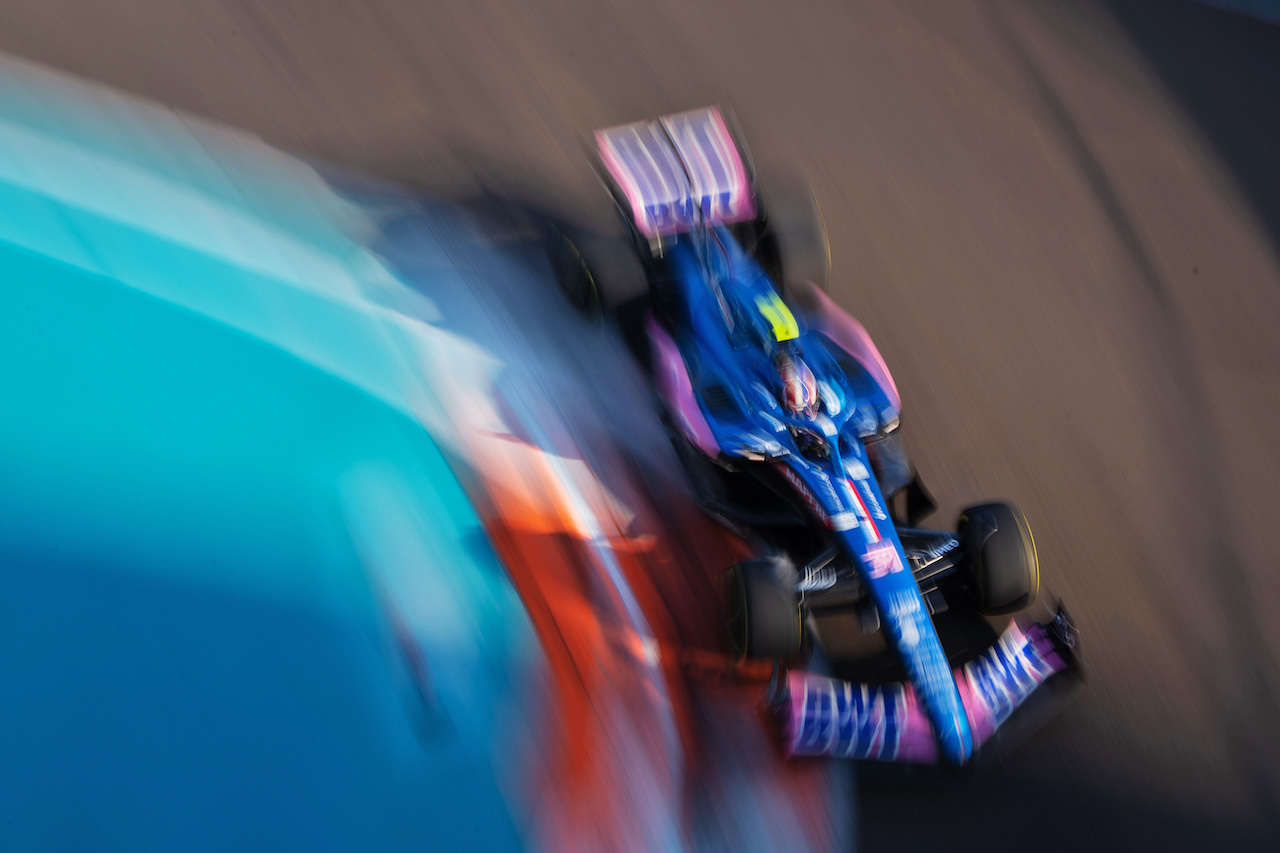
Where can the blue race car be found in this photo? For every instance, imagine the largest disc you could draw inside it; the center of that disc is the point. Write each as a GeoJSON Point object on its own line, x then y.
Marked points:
{"type": "Point", "coordinates": [787, 420]}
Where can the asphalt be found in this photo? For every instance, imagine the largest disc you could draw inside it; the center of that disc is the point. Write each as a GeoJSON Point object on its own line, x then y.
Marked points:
{"type": "Point", "coordinates": [1059, 220]}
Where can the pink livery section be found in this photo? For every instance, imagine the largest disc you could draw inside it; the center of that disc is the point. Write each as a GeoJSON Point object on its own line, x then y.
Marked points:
{"type": "Point", "coordinates": [847, 333]}
{"type": "Point", "coordinates": [827, 717]}
{"type": "Point", "coordinates": [672, 378]}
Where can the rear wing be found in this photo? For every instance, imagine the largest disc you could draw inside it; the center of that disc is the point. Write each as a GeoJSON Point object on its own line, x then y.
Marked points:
{"type": "Point", "coordinates": [677, 171]}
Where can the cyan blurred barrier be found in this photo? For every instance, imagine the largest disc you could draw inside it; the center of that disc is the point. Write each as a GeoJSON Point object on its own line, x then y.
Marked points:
{"type": "Point", "coordinates": [244, 603]}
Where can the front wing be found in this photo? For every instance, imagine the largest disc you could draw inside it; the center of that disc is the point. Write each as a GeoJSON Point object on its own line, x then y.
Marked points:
{"type": "Point", "coordinates": [823, 716]}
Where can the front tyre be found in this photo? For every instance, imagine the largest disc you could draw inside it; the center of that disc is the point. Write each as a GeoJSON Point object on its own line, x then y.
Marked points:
{"type": "Point", "coordinates": [1003, 568]}
{"type": "Point", "coordinates": [764, 610]}
{"type": "Point", "coordinates": [793, 248]}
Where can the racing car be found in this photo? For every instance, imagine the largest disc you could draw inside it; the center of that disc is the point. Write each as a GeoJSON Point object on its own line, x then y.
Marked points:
{"type": "Point", "coordinates": [787, 420]}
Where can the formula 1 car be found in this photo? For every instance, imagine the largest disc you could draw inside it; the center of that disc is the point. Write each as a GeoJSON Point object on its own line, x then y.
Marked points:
{"type": "Point", "coordinates": [787, 420]}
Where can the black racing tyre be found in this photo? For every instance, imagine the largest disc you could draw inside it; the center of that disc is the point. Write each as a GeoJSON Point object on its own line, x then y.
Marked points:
{"type": "Point", "coordinates": [572, 272]}
{"type": "Point", "coordinates": [1004, 570]}
{"type": "Point", "coordinates": [597, 273]}
{"type": "Point", "coordinates": [764, 610]}
{"type": "Point", "coordinates": [794, 247]}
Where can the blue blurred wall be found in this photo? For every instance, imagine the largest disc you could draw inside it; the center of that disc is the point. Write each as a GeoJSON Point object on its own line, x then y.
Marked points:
{"type": "Point", "coordinates": [224, 533]}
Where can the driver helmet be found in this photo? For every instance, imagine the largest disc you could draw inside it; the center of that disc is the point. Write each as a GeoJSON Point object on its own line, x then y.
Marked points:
{"type": "Point", "coordinates": [799, 386]}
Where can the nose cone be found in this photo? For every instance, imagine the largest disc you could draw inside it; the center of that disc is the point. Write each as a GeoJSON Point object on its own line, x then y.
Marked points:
{"type": "Point", "coordinates": [955, 743]}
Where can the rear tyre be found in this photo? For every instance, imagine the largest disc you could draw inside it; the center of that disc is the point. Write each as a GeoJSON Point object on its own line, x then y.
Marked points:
{"type": "Point", "coordinates": [794, 246]}
{"type": "Point", "coordinates": [596, 273]}
{"type": "Point", "coordinates": [1004, 570]}
{"type": "Point", "coordinates": [573, 274]}
{"type": "Point", "coordinates": [764, 610]}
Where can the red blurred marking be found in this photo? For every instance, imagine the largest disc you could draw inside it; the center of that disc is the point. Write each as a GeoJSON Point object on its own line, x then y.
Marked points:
{"type": "Point", "coordinates": [583, 796]}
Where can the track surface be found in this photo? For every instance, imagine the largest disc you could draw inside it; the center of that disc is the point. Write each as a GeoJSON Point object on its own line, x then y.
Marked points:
{"type": "Point", "coordinates": [1060, 221]}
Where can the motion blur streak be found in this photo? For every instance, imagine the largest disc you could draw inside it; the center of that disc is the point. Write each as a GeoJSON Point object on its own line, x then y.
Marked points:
{"type": "Point", "coordinates": [1059, 220]}
{"type": "Point", "coordinates": [617, 566]}
{"type": "Point", "coordinates": [214, 384]}
{"type": "Point", "coordinates": [187, 629]}
{"type": "Point", "coordinates": [200, 398]}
